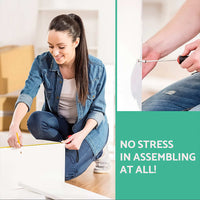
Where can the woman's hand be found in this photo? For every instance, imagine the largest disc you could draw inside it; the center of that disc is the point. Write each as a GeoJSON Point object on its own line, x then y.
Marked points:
{"type": "Point", "coordinates": [74, 141]}
{"type": "Point", "coordinates": [148, 53]}
{"type": "Point", "coordinates": [19, 113]}
{"type": "Point", "coordinates": [13, 140]}
{"type": "Point", "coordinates": [192, 63]}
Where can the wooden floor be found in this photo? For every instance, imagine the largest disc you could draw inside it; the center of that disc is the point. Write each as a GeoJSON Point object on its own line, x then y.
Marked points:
{"type": "Point", "coordinates": [103, 184]}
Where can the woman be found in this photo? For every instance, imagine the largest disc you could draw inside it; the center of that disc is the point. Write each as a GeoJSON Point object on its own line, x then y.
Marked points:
{"type": "Point", "coordinates": [74, 108]}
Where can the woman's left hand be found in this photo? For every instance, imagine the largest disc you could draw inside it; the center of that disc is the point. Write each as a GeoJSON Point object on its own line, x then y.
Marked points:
{"type": "Point", "coordinates": [74, 141]}
{"type": "Point", "coordinates": [192, 63]}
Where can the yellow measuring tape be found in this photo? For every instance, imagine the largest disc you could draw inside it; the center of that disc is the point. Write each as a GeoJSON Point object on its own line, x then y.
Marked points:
{"type": "Point", "coordinates": [29, 145]}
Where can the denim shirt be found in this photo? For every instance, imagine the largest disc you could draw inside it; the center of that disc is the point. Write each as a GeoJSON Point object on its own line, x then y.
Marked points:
{"type": "Point", "coordinates": [45, 70]}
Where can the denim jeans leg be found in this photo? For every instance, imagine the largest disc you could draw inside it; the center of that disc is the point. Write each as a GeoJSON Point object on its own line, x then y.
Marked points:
{"type": "Point", "coordinates": [46, 126]}
{"type": "Point", "coordinates": [77, 161]}
{"type": "Point", "coordinates": [180, 96]}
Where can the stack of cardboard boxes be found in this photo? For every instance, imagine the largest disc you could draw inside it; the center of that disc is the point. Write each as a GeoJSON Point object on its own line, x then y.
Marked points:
{"type": "Point", "coordinates": [15, 64]}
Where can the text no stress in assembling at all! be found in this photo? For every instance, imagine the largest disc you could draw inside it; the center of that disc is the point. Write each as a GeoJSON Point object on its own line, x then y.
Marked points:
{"type": "Point", "coordinates": [151, 157]}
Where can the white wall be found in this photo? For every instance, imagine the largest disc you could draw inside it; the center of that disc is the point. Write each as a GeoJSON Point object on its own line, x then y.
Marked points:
{"type": "Point", "coordinates": [17, 21]}
{"type": "Point", "coordinates": [129, 40]}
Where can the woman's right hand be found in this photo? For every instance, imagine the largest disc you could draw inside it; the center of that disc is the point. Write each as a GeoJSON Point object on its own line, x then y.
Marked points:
{"type": "Point", "coordinates": [148, 53]}
{"type": "Point", "coordinates": [13, 140]}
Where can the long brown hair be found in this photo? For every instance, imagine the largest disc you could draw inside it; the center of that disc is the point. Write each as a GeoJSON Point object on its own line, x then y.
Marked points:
{"type": "Point", "coordinates": [73, 24]}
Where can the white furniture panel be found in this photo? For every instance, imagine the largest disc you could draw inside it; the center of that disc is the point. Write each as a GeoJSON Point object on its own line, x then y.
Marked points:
{"type": "Point", "coordinates": [35, 163]}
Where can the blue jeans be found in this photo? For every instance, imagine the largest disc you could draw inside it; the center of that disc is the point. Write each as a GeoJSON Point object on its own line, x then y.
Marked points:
{"type": "Point", "coordinates": [184, 95]}
{"type": "Point", "coordinates": [47, 126]}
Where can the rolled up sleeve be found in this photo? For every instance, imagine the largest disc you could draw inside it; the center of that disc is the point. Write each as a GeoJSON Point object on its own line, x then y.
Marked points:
{"type": "Point", "coordinates": [32, 85]}
{"type": "Point", "coordinates": [97, 109]}
{"type": "Point", "coordinates": [25, 98]}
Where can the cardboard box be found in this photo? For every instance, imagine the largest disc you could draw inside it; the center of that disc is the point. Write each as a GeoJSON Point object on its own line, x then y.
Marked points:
{"type": "Point", "coordinates": [15, 64]}
{"type": "Point", "coordinates": [7, 106]}
{"type": "Point", "coordinates": [6, 111]}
